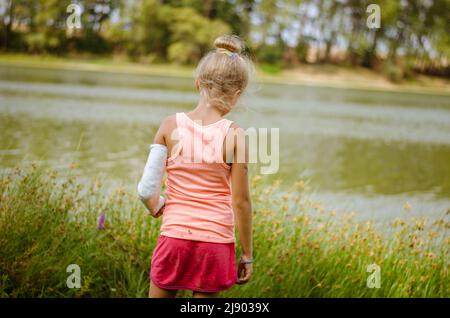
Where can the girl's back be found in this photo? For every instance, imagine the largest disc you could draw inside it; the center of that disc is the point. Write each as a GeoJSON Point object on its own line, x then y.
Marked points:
{"type": "Point", "coordinates": [198, 190]}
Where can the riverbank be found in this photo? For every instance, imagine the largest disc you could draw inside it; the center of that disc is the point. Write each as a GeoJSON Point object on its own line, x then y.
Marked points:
{"type": "Point", "coordinates": [305, 75]}
{"type": "Point", "coordinates": [48, 222]}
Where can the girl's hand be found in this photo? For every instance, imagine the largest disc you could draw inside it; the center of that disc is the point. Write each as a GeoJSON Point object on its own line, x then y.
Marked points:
{"type": "Point", "coordinates": [154, 203]}
{"type": "Point", "coordinates": [159, 213]}
{"type": "Point", "coordinates": [245, 270]}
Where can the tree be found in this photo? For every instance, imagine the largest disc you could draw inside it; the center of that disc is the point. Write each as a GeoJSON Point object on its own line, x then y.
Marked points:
{"type": "Point", "coordinates": [47, 23]}
{"type": "Point", "coordinates": [148, 32]}
{"type": "Point", "coordinates": [191, 34]}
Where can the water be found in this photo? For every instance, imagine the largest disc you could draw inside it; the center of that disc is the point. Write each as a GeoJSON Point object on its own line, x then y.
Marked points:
{"type": "Point", "coordinates": [363, 151]}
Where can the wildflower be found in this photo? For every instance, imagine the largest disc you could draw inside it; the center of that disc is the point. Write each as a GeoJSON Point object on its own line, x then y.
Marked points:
{"type": "Point", "coordinates": [101, 222]}
{"type": "Point", "coordinates": [300, 184]}
{"type": "Point", "coordinates": [306, 220]}
{"type": "Point", "coordinates": [440, 223]}
{"type": "Point", "coordinates": [256, 179]}
{"type": "Point", "coordinates": [97, 184]}
{"type": "Point", "coordinates": [420, 225]}
{"type": "Point", "coordinates": [432, 234]}
{"type": "Point", "coordinates": [407, 206]}
{"type": "Point", "coordinates": [369, 225]}
{"type": "Point", "coordinates": [400, 222]}
{"type": "Point", "coordinates": [121, 192]}
{"type": "Point", "coordinates": [317, 206]}
{"type": "Point", "coordinates": [349, 216]}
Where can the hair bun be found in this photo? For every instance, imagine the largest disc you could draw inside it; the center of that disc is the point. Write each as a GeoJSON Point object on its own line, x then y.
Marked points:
{"type": "Point", "coordinates": [232, 43]}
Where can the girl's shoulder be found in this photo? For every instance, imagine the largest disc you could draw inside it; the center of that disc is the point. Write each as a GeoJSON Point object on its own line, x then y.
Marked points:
{"type": "Point", "coordinates": [236, 137]}
{"type": "Point", "coordinates": [235, 131]}
{"type": "Point", "coordinates": [169, 120]}
{"type": "Point", "coordinates": [165, 129]}
{"type": "Point", "coordinates": [169, 123]}
{"type": "Point", "coordinates": [235, 126]}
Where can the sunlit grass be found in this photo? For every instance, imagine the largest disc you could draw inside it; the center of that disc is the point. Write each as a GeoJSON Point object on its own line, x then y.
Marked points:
{"type": "Point", "coordinates": [265, 73]}
{"type": "Point", "coordinates": [301, 250]}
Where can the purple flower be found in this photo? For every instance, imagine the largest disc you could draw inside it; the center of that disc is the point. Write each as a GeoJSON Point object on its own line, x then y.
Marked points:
{"type": "Point", "coordinates": [101, 222]}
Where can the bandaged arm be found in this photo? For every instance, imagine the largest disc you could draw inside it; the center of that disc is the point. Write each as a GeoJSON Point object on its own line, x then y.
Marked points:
{"type": "Point", "coordinates": [149, 187]}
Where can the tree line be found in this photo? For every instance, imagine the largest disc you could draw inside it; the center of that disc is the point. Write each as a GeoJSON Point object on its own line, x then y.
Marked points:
{"type": "Point", "coordinates": [413, 36]}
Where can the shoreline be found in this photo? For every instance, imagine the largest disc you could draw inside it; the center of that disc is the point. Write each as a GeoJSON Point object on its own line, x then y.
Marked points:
{"type": "Point", "coordinates": [339, 77]}
{"type": "Point", "coordinates": [40, 214]}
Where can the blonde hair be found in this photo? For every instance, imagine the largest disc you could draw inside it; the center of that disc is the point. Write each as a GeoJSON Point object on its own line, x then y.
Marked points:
{"type": "Point", "coordinates": [224, 71]}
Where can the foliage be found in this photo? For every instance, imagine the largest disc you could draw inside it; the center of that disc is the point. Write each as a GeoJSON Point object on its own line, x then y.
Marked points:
{"type": "Point", "coordinates": [192, 34]}
{"type": "Point", "coordinates": [48, 222]}
{"type": "Point", "coordinates": [181, 31]}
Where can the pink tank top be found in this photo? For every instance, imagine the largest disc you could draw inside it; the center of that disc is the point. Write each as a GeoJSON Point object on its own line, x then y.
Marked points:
{"type": "Point", "coordinates": [198, 185]}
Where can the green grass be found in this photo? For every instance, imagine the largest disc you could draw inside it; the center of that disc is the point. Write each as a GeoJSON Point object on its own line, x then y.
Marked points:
{"type": "Point", "coordinates": [272, 69]}
{"type": "Point", "coordinates": [265, 73]}
{"type": "Point", "coordinates": [48, 222]}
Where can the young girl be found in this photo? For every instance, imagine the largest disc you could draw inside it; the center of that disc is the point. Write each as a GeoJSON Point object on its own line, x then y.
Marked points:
{"type": "Point", "coordinates": [204, 156]}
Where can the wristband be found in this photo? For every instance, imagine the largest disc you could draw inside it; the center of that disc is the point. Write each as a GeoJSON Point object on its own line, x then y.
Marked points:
{"type": "Point", "coordinates": [246, 262]}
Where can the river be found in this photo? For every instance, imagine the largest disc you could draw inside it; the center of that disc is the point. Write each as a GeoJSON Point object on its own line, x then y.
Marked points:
{"type": "Point", "coordinates": [361, 150]}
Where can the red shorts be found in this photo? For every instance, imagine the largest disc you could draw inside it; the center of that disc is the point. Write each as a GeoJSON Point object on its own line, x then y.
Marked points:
{"type": "Point", "coordinates": [193, 265]}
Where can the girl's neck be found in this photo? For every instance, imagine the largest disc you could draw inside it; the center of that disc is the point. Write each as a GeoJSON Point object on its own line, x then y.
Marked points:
{"type": "Point", "coordinates": [207, 114]}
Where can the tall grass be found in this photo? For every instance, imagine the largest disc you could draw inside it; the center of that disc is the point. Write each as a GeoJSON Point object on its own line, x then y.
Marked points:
{"type": "Point", "coordinates": [48, 222]}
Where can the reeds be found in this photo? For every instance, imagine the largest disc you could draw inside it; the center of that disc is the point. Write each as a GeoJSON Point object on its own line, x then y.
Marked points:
{"type": "Point", "coordinates": [48, 222]}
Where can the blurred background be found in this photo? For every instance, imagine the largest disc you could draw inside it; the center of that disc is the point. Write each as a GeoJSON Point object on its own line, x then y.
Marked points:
{"type": "Point", "coordinates": [364, 113]}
